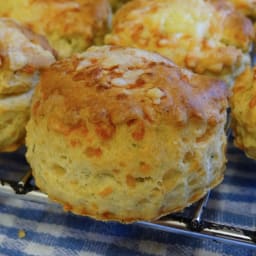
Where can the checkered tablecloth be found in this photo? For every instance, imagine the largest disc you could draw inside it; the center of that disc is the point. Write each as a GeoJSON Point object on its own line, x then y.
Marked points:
{"type": "Point", "coordinates": [37, 228]}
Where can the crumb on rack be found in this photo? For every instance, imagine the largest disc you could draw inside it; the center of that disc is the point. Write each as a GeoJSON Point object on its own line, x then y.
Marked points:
{"type": "Point", "coordinates": [21, 233]}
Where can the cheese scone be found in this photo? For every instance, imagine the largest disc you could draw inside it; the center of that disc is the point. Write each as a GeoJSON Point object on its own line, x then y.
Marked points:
{"type": "Point", "coordinates": [70, 26]}
{"type": "Point", "coordinates": [243, 110]}
{"type": "Point", "coordinates": [208, 37]}
{"type": "Point", "coordinates": [124, 134]}
{"type": "Point", "coordinates": [22, 55]}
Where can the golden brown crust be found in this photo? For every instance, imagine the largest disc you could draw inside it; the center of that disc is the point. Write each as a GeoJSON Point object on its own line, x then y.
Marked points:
{"type": "Point", "coordinates": [61, 16]}
{"type": "Point", "coordinates": [32, 37]}
{"type": "Point", "coordinates": [21, 49]}
{"type": "Point", "coordinates": [175, 87]}
{"type": "Point", "coordinates": [22, 55]}
{"type": "Point", "coordinates": [70, 26]}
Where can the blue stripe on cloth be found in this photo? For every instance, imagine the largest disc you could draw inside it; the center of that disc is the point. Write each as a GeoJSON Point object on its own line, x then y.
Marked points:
{"type": "Point", "coordinates": [69, 242]}
{"type": "Point", "coordinates": [12, 252]}
{"type": "Point", "coordinates": [84, 223]}
{"type": "Point", "coordinates": [229, 217]}
{"type": "Point", "coordinates": [240, 182]}
{"type": "Point", "coordinates": [126, 231]}
{"type": "Point", "coordinates": [237, 175]}
{"type": "Point", "coordinates": [242, 166]}
{"type": "Point", "coordinates": [182, 245]}
{"type": "Point", "coordinates": [79, 222]}
{"type": "Point", "coordinates": [236, 197]}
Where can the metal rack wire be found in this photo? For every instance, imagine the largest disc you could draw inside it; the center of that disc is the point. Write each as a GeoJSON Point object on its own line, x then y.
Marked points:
{"type": "Point", "coordinates": [195, 225]}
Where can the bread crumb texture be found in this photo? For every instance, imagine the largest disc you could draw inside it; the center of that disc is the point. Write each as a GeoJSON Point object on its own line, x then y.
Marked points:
{"type": "Point", "coordinates": [124, 134]}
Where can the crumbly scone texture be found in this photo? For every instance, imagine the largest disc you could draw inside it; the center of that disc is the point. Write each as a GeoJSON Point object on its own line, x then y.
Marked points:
{"type": "Point", "coordinates": [124, 134]}
{"type": "Point", "coordinates": [22, 55]}
{"type": "Point", "coordinates": [243, 109]}
{"type": "Point", "coordinates": [208, 37]}
{"type": "Point", "coordinates": [70, 26]}
{"type": "Point", "coordinates": [14, 115]}
{"type": "Point", "coordinates": [247, 7]}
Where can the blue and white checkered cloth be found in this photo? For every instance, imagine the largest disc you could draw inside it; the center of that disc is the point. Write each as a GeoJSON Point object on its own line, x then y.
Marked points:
{"type": "Point", "coordinates": [50, 232]}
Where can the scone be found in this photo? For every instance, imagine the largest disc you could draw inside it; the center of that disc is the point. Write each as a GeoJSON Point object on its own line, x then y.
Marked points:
{"type": "Point", "coordinates": [208, 37]}
{"type": "Point", "coordinates": [243, 109]}
{"type": "Point", "coordinates": [248, 7]}
{"type": "Point", "coordinates": [22, 55]}
{"type": "Point", "coordinates": [124, 134]}
{"type": "Point", "coordinates": [70, 26]}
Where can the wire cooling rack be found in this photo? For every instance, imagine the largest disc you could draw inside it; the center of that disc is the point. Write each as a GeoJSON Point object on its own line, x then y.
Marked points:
{"type": "Point", "coordinates": [218, 215]}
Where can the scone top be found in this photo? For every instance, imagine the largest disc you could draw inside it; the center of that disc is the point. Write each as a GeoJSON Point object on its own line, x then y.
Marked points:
{"type": "Point", "coordinates": [20, 47]}
{"type": "Point", "coordinates": [208, 37]}
{"type": "Point", "coordinates": [111, 86]}
{"type": "Point", "coordinates": [22, 54]}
